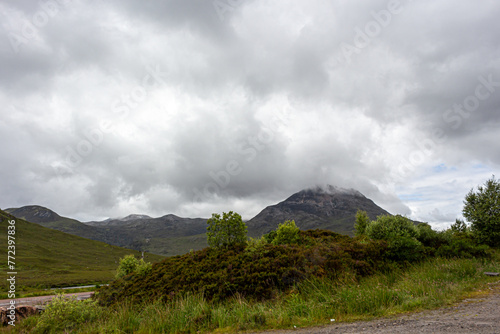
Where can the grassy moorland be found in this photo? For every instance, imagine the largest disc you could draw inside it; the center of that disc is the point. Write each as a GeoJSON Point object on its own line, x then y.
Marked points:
{"type": "Point", "coordinates": [47, 258]}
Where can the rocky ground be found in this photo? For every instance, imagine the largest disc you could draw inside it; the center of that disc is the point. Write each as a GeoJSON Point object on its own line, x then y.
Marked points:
{"type": "Point", "coordinates": [474, 315]}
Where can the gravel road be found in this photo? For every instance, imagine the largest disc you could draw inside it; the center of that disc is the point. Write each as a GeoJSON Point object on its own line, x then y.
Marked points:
{"type": "Point", "coordinates": [475, 315]}
{"type": "Point", "coordinates": [33, 301]}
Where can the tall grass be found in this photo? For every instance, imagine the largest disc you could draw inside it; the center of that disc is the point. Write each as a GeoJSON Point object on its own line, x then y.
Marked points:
{"type": "Point", "coordinates": [427, 285]}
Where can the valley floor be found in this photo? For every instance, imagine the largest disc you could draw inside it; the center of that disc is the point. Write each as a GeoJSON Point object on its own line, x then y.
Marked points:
{"type": "Point", "coordinates": [480, 314]}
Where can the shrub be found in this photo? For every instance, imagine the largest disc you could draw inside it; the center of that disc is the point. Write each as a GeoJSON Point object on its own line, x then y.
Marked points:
{"type": "Point", "coordinates": [65, 314]}
{"type": "Point", "coordinates": [129, 264]}
{"type": "Point", "coordinates": [287, 233]}
{"type": "Point", "coordinates": [226, 231]}
{"type": "Point", "coordinates": [362, 221]}
{"type": "Point", "coordinates": [482, 209]}
{"type": "Point", "coordinates": [401, 235]}
{"type": "Point", "coordinates": [269, 237]}
{"type": "Point", "coordinates": [462, 248]}
{"type": "Point", "coordinates": [387, 227]}
{"type": "Point", "coordinates": [431, 238]}
{"type": "Point", "coordinates": [143, 268]}
{"type": "Point", "coordinates": [256, 244]}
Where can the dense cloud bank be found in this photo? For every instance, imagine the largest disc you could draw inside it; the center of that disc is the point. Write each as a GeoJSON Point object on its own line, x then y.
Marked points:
{"type": "Point", "coordinates": [193, 107]}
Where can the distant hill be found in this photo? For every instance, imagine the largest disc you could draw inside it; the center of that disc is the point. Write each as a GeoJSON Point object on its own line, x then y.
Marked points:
{"type": "Point", "coordinates": [48, 218]}
{"type": "Point", "coordinates": [330, 208]}
{"type": "Point", "coordinates": [168, 235]}
{"type": "Point", "coordinates": [52, 258]}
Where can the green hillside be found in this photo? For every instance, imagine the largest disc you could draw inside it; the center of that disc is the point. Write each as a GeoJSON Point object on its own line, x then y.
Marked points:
{"type": "Point", "coordinates": [49, 258]}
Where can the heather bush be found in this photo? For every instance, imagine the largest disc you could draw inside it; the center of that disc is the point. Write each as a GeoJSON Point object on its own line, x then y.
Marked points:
{"type": "Point", "coordinates": [257, 273]}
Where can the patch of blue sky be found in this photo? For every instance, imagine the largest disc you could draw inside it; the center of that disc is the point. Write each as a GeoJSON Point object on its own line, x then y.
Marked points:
{"type": "Point", "coordinates": [480, 166]}
{"type": "Point", "coordinates": [443, 168]}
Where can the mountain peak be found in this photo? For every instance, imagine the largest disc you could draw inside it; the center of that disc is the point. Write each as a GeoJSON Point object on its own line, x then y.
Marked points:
{"type": "Point", "coordinates": [324, 207]}
{"type": "Point", "coordinates": [134, 217]}
{"type": "Point", "coordinates": [334, 190]}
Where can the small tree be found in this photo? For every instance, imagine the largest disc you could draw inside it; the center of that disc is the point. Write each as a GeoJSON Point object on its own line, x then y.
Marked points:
{"type": "Point", "coordinates": [482, 209]}
{"type": "Point", "coordinates": [287, 233]}
{"type": "Point", "coordinates": [362, 221]}
{"type": "Point", "coordinates": [226, 231]}
{"type": "Point", "coordinates": [129, 264]}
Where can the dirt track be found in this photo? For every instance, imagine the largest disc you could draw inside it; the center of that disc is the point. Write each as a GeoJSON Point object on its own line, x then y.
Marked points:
{"type": "Point", "coordinates": [475, 315]}
{"type": "Point", "coordinates": [33, 301]}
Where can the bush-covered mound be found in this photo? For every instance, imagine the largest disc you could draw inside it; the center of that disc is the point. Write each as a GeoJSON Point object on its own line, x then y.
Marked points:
{"type": "Point", "coordinates": [254, 272]}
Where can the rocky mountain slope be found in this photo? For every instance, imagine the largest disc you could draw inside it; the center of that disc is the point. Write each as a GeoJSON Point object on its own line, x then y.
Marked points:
{"type": "Point", "coordinates": [331, 208]}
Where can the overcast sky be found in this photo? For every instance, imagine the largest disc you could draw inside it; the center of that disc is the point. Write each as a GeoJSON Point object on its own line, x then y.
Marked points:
{"type": "Point", "coordinates": [193, 107]}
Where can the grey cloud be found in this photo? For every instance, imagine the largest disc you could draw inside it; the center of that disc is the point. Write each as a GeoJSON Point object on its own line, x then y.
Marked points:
{"type": "Point", "coordinates": [348, 122]}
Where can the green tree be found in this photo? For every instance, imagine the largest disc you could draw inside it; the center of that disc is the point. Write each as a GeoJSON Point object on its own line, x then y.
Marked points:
{"type": "Point", "coordinates": [362, 221]}
{"type": "Point", "coordinates": [459, 227]}
{"type": "Point", "coordinates": [482, 210]}
{"type": "Point", "coordinates": [129, 264]}
{"type": "Point", "coordinates": [287, 233]}
{"type": "Point", "coordinates": [226, 231]}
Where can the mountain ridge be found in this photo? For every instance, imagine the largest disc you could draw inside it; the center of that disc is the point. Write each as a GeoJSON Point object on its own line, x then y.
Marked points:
{"type": "Point", "coordinates": [319, 207]}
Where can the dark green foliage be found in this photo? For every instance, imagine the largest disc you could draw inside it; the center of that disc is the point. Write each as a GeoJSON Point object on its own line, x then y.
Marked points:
{"type": "Point", "coordinates": [462, 248]}
{"type": "Point", "coordinates": [431, 238]}
{"type": "Point", "coordinates": [222, 273]}
{"type": "Point", "coordinates": [269, 237]}
{"type": "Point", "coordinates": [226, 231]}
{"type": "Point", "coordinates": [459, 227]}
{"type": "Point", "coordinates": [401, 235]}
{"type": "Point", "coordinates": [286, 234]}
{"type": "Point", "coordinates": [362, 221]}
{"type": "Point", "coordinates": [482, 209]}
